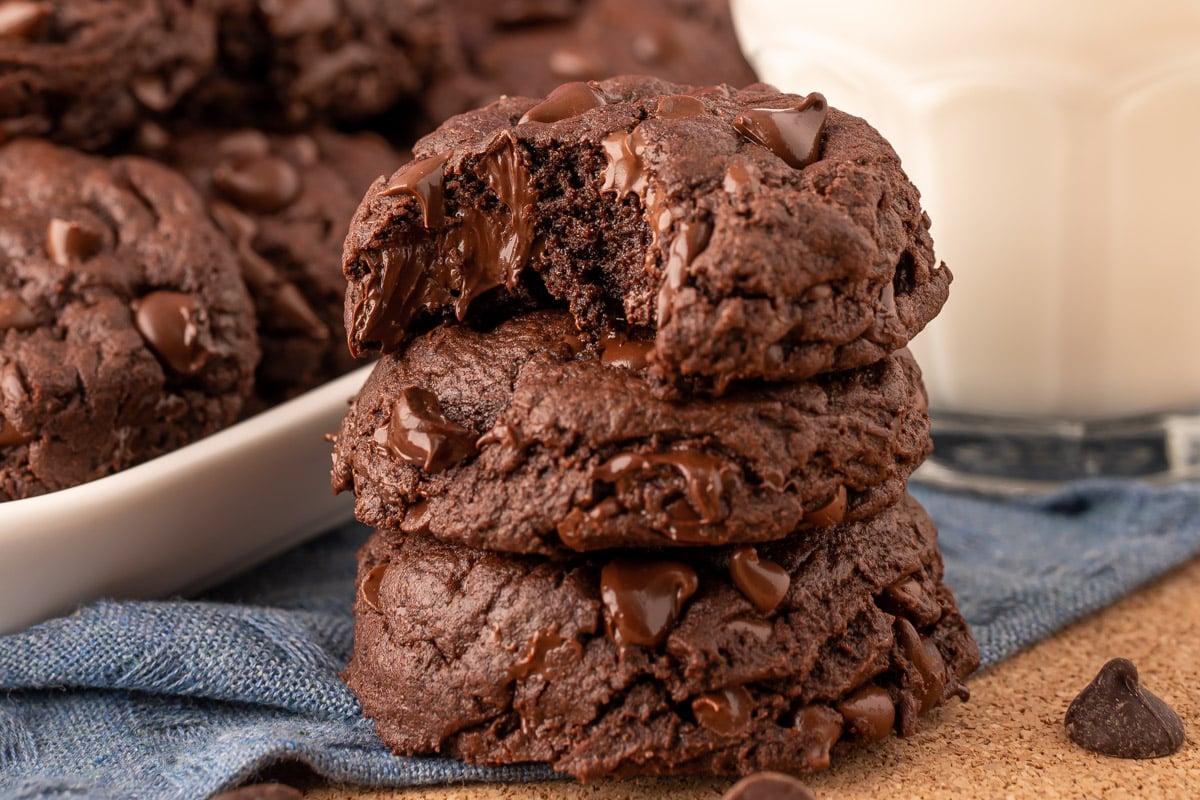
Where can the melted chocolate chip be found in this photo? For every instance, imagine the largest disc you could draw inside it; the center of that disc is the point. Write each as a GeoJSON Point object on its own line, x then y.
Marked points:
{"type": "Point", "coordinates": [455, 263]}
{"type": "Point", "coordinates": [15, 314]}
{"type": "Point", "coordinates": [926, 659]}
{"type": "Point", "coordinates": [690, 240]}
{"type": "Point", "coordinates": [725, 713]}
{"type": "Point", "coordinates": [680, 106]}
{"type": "Point", "coordinates": [568, 100]}
{"type": "Point", "coordinates": [262, 184]}
{"type": "Point", "coordinates": [768, 786]}
{"type": "Point", "coordinates": [170, 323]}
{"type": "Point", "coordinates": [832, 513]}
{"type": "Point", "coordinates": [869, 713]}
{"type": "Point", "coordinates": [1116, 716]}
{"type": "Point", "coordinates": [625, 172]}
{"type": "Point", "coordinates": [763, 582]}
{"type": "Point", "coordinates": [701, 474]}
{"type": "Point", "coordinates": [368, 590]}
{"type": "Point", "coordinates": [644, 599]}
{"type": "Point", "coordinates": [793, 134]}
{"type": "Point", "coordinates": [422, 179]}
{"type": "Point", "coordinates": [819, 726]}
{"type": "Point", "coordinates": [906, 598]}
{"type": "Point", "coordinates": [24, 21]}
{"type": "Point", "coordinates": [69, 242]}
{"type": "Point", "coordinates": [533, 662]}
{"type": "Point", "coordinates": [419, 433]}
{"type": "Point", "coordinates": [617, 351]}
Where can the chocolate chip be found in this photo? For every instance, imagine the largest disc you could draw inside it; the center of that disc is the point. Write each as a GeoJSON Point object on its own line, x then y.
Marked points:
{"type": "Point", "coordinates": [263, 184]}
{"type": "Point", "coordinates": [69, 242]}
{"type": "Point", "coordinates": [10, 436]}
{"type": "Point", "coordinates": [907, 599]}
{"type": "Point", "coordinates": [680, 106]}
{"type": "Point", "coordinates": [568, 100]}
{"type": "Point", "coordinates": [793, 134]}
{"type": "Point", "coordinates": [16, 314]}
{"type": "Point", "coordinates": [1116, 716]}
{"type": "Point", "coordinates": [152, 92]}
{"type": "Point", "coordinates": [702, 474]}
{"type": "Point", "coordinates": [725, 713]}
{"type": "Point", "coordinates": [419, 433]}
{"type": "Point", "coordinates": [832, 513]}
{"type": "Point", "coordinates": [618, 351]}
{"type": "Point", "coordinates": [819, 728]}
{"type": "Point", "coordinates": [261, 791]}
{"type": "Point", "coordinates": [869, 712]}
{"type": "Point", "coordinates": [768, 786]}
{"type": "Point", "coordinates": [170, 324]}
{"type": "Point", "coordinates": [644, 598]}
{"type": "Point", "coordinates": [368, 590]}
{"type": "Point", "coordinates": [926, 660]}
{"type": "Point", "coordinates": [763, 582]}
{"type": "Point", "coordinates": [24, 21]}
{"type": "Point", "coordinates": [422, 179]}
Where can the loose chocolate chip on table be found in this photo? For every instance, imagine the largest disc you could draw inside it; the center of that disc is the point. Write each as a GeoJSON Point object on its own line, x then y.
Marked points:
{"type": "Point", "coordinates": [1116, 716]}
{"type": "Point", "coordinates": [768, 786]}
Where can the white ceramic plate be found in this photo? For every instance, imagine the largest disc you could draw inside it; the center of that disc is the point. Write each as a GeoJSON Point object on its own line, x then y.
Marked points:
{"type": "Point", "coordinates": [182, 521]}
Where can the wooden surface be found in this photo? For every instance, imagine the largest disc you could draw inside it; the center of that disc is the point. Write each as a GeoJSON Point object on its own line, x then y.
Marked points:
{"type": "Point", "coordinates": [1007, 742]}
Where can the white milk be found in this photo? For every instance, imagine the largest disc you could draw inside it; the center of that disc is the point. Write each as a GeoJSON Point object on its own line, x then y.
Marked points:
{"type": "Point", "coordinates": [1057, 149]}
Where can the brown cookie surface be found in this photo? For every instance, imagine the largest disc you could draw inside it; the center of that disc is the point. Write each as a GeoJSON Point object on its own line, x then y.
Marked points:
{"type": "Point", "coordinates": [285, 201]}
{"type": "Point", "coordinates": [757, 234]}
{"type": "Point", "coordinates": [85, 71]}
{"type": "Point", "coordinates": [659, 662]}
{"type": "Point", "coordinates": [524, 438]}
{"type": "Point", "coordinates": [125, 328]}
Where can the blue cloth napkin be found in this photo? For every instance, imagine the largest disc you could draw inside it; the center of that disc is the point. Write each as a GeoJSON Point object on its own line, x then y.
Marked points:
{"type": "Point", "coordinates": [183, 699]}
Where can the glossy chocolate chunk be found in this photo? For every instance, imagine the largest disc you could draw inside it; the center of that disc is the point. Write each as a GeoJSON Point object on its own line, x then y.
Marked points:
{"type": "Point", "coordinates": [869, 713]}
{"type": "Point", "coordinates": [419, 432]}
{"type": "Point", "coordinates": [368, 589]}
{"type": "Point", "coordinates": [643, 598]}
{"type": "Point", "coordinates": [763, 582]}
{"type": "Point", "coordinates": [832, 513]}
{"type": "Point", "coordinates": [768, 786]}
{"type": "Point", "coordinates": [568, 100]}
{"type": "Point", "coordinates": [793, 134]}
{"type": "Point", "coordinates": [820, 727]}
{"type": "Point", "coordinates": [908, 599]}
{"type": "Point", "coordinates": [923, 654]}
{"type": "Point", "coordinates": [701, 473]}
{"type": "Point", "coordinates": [618, 351]}
{"type": "Point", "coordinates": [170, 322]}
{"type": "Point", "coordinates": [423, 180]}
{"type": "Point", "coordinates": [1116, 716]}
{"type": "Point", "coordinates": [725, 713]}
{"type": "Point", "coordinates": [69, 242]}
{"type": "Point", "coordinates": [263, 184]}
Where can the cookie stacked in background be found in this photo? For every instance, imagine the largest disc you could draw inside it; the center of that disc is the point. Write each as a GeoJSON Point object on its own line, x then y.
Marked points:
{"type": "Point", "coordinates": [276, 113]}
{"type": "Point", "coordinates": [637, 446]}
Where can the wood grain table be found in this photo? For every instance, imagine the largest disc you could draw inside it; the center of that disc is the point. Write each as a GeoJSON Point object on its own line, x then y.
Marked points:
{"type": "Point", "coordinates": [1007, 742]}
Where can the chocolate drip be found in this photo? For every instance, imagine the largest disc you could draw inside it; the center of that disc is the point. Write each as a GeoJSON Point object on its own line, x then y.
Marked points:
{"type": "Point", "coordinates": [69, 242]}
{"type": "Point", "coordinates": [793, 134]}
{"type": "Point", "coordinates": [832, 513]}
{"type": "Point", "coordinates": [454, 262]}
{"type": "Point", "coordinates": [725, 713]}
{"type": "Point", "coordinates": [926, 659]}
{"type": "Point", "coordinates": [701, 473]}
{"type": "Point", "coordinates": [625, 173]}
{"type": "Point", "coordinates": [644, 599]}
{"type": "Point", "coordinates": [820, 727]}
{"type": "Point", "coordinates": [869, 713]}
{"type": "Point", "coordinates": [420, 434]}
{"type": "Point", "coordinates": [170, 323]}
{"type": "Point", "coordinates": [568, 100]}
{"type": "Point", "coordinates": [763, 582]}
{"type": "Point", "coordinates": [422, 179]}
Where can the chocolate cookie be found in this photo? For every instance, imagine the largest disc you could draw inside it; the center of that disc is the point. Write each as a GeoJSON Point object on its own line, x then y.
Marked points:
{"type": "Point", "coordinates": [712, 660]}
{"type": "Point", "coordinates": [759, 234]}
{"type": "Point", "coordinates": [528, 47]}
{"type": "Point", "coordinates": [125, 329]}
{"type": "Point", "coordinates": [524, 439]}
{"type": "Point", "coordinates": [286, 201]}
{"type": "Point", "coordinates": [283, 63]}
{"type": "Point", "coordinates": [84, 71]}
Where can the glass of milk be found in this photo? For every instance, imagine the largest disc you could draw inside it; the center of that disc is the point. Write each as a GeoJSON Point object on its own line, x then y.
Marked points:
{"type": "Point", "coordinates": [1057, 150]}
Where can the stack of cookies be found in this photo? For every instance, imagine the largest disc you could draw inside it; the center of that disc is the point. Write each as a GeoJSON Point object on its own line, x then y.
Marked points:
{"type": "Point", "coordinates": [637, 446]}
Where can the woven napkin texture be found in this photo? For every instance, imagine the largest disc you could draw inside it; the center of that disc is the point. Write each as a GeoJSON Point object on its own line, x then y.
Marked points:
{"type": "Point", "coordinates": [182, 699]}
